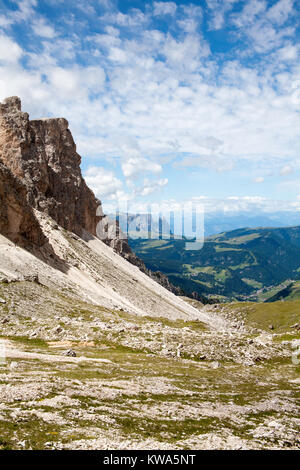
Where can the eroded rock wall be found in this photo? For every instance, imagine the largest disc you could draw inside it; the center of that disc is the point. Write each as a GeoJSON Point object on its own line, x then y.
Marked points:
{"type": "Point", "coordinates": [42, 154]}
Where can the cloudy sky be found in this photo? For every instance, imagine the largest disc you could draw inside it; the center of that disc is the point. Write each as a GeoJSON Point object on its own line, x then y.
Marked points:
{"type": "Point", "coordinates": [166, 100]}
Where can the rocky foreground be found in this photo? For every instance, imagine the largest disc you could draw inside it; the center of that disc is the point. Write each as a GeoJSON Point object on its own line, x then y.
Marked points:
{"type": "Point", "coordinates": [78, 376]}
{"type": "Point", "coordinates": [94, 354]}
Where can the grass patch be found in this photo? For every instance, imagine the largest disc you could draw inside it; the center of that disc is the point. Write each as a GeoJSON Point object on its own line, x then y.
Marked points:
{"type": "Point", "coordinates": [282, 315]}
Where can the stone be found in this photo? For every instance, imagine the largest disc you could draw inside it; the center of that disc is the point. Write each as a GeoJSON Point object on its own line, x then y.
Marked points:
{"type": "Point", "coordinates": [13, 365]}
{"type": "Point", "coordinates": [2, 301]}
{"type": "Point", "coordinates": [70, 353]}
{"type": "Point", "coordinates": [215, 365]}
{"type": "Point", "coordinates": [274, 424]}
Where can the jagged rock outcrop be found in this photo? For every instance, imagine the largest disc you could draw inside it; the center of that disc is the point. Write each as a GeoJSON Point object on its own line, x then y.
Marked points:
{"type": "Point", "coordinates": [17, 219]}
{"type": "Point", "coordinates": [42, 154]}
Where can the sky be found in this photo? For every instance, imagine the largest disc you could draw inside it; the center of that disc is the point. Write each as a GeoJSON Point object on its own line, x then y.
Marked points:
{"type": "Point", "coordinates": [167, 101]}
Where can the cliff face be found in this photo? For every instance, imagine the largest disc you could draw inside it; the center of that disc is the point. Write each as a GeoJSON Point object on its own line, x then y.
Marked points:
{"type": "Point", "coordinates": [42, 155]}
{"type": "Point", "coordinates": [43, 165]}
{"type": "Point", "coordinates": [17, 219]}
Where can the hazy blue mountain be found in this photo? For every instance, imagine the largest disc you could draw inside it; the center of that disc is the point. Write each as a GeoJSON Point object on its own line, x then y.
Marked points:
{"type": "Point", "coordinates": [218, 222]}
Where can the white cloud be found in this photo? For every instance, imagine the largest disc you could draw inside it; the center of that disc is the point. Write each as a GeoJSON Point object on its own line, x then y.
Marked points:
{"type": "Point", "coordinates": [280, 11]}
{"type": "Point", "coordinates": [133, 19]}
{"type": "Point", "coordinates": [286, 170]}
{"type": "Point", "coordinates": [219, 9]}
{"type": "Point", "coordinates": [104, 183]}
{"type": "Point", "coordinates": [5, 21]}
{"type": "Point", "coordinates": [25, 11]}
{"type": "Point", "coordinates": [249, 13]}
{"type": "Point", "coordinates": [136, 166]}
{"type": "Point", "coordinates": [150, 187]}
{"type": "Point", "coordinates": [41, 28]}
{"type": "Point", "coordinates": [248, 204]}
{"type": "Point", "coordinates": [117, 55]}
{"type": "Point", "coordinates": [232, 205]}
{"type": "Point", "coordinates": [261, 24]}
{"type": "Point", "coordinates": [288, 53]}
{"type": "Point", "coordinates": [164, 8]}
{"type": "Point", "coordinates": [76, 81]}
{"type": "Point", "coordinates": [259, 179]}
{"type": "Point", "coordinates": [10, 51]}
{"type": "Point", "coordinates": [185, 53]}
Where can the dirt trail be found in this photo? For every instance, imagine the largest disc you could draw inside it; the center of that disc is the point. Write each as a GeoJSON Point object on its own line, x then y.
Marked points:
{"type": "Point", "coordinates": [9, 351]}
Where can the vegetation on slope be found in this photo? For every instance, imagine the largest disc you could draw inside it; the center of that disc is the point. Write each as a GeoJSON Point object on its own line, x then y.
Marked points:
{"type": "Point", "coordinates": [241, 264]}
{"type": "Point", "coordinates": [290, 292]}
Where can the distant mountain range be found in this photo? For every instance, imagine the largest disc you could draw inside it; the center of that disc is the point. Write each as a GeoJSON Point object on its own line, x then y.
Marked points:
{"type": "Point", "coordinates": [243, 264]}
{"type": "Point", "coordinates": [218, 222]}
{"type": "Point", "coordinates": [214, 222]}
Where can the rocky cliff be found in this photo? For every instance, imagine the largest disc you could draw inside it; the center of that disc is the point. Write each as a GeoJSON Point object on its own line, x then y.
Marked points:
{"type": "Point", "coordinates": [41, 158]}
{"type": "Point", "coordinates": [42, 155]}
{"type": "Point", "coordinates": [17, 219]}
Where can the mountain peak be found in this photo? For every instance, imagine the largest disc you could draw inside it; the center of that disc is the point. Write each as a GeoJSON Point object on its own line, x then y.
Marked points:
{"type": "Point", "coordinates": [13, 103]}
{"type": "Point", "coordinates": [42, 155]}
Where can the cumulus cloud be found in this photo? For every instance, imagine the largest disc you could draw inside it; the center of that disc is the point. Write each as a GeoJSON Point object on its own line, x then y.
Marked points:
{"type": "Point", "coordinates": [135, 166]}
{"type": "Point", "coordinates": [280, 11]}
{"type": "Point", "coordinates": [104, 183]}
{"type": "Point", "coordinates": [164, 8]}
{"type": "Point", "coordinates": [10, 51]}
{"type": "Point", "coordinates": [42, 28]}
{"type": "Point", "coordinates": [219, 9]}
{"type": "Point", "coordinates": [25, 10]}
{"type": "Point", "coordinates": [150, 187]}
{"type": "Point", "coordinates": [259, 179]}
{"type": "Point", "coordinates": [264, 26]}
{"type": "Point", "coordinates": [286, 170]}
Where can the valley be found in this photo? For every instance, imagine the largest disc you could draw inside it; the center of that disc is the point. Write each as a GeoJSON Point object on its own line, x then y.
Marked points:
{"type": "Point", "coordinates": [243, 264]}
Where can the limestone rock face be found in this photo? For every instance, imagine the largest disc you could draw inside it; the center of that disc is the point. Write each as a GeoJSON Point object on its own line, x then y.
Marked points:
{"type": "Point", "coordinates": [44, 167]}
{"type": "Point", "coordinates": [17, 219]}
{"type": "Point", "coordinates": [42, 154]}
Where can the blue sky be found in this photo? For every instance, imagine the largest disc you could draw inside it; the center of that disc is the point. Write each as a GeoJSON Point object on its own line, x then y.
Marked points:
{"type": "Point", "coordinates": [167, 101]}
